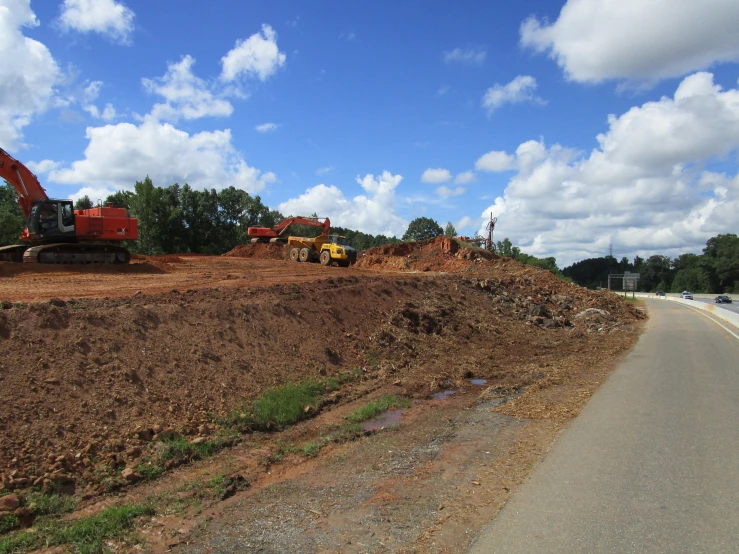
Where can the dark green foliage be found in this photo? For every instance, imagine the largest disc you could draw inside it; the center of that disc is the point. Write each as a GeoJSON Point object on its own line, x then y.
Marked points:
{"type": "Point", "coordinates": [83, 203]}
{"type": "Point", "coordinates": [721, 262]}
{"type": "Point", "coordinates": [715, 271]}
{"type": "Point", "coordinates": [179, 219]}
{"type": "Point", "coordinates": [449, 230]}
{"type": "Point", "coordinates": [363, 241]}
{"type": "Point", "coordinates": [422, 228]}
{"type": "Point", "coordinates": [12, 220]}
{"type": "Point", "coordinates": [506, 248]}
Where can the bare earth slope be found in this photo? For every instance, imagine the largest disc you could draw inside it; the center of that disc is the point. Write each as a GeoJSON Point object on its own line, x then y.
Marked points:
{"type": "Point", "coordinates": [87, 365]}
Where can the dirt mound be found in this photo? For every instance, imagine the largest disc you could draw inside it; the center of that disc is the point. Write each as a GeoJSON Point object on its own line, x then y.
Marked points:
{"type": "Point", "coordinates": [79, 379]}
{"type": "Point", "coordinates": [260, 250]}
{"type": "Point", "coordinates": [437, 254]}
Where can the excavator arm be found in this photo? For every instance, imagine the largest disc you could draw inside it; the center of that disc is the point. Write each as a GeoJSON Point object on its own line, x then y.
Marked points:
{"type": "Point", "coordinates": [23, 181]}
{"type": "Point", "coordinates": [281, 228]}
{"type": "Point", "coordinates": [298, 220]}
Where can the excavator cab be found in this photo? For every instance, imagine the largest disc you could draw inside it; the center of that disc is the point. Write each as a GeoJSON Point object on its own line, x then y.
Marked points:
{"type": "Point", "coordinates": [51, 219]}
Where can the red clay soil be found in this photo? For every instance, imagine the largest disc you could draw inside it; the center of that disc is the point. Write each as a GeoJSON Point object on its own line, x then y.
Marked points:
{"type": "Point", "coordinates": [80, 378]}
{"type": "Point", "coordinates": [262, 251]}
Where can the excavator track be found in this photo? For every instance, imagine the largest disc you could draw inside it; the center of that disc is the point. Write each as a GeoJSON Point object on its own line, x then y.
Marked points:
{"type": "Point", "coordinates": [77, 253]}
{"type": "Point", "coordinates": [12, 253]}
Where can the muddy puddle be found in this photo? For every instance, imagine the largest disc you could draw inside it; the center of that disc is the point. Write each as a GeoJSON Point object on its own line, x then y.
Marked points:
{"type": "Point", "coordinates": [391, 418]}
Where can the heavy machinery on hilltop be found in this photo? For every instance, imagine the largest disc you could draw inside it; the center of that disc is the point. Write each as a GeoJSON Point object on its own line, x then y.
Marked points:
{"type": "Point", "coordinates": [482, 242]}
{"type": "Point", "coordinates": [56, 233]}
{"type": "Point", "coordinates": [324, 248]}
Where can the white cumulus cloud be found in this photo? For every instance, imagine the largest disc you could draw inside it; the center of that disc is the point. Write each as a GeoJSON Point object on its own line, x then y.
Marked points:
{"type": "Point", "coordinates": [474, 56]}
{"type": "Point", "coordinates": [119, 155]}
{"type": "Point", "coordinates": [644, 188]}
{"type": "Point", "coordinates": [186, 95]}
{"type": "Point", "coordinates": [258, 55]}
{"type": "Point", "coordinates": [464, 178]}
{"type": "Point", "coordinates": [373, 212]}
{"type": "Point", "coordinates": [436, 176]}
{"type": "Point", "coordinates": [28, 72]}
{"type": "Point", "coordinates": [446, 192]}
{"type": "Point", "coordinates": [637, 39]}
{"type": "Point", "coordinates": [494, 162]}
{"type": "Point", "coordinates": [520, 89]}
{"type": "Point", "coordinates": [107, 17]}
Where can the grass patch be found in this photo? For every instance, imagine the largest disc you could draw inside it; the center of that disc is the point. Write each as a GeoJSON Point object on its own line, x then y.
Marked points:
{"type": "Point", "coordinates": [42, 504]}
{"type": "Point", "coordinates": [149, 470]}
{"type": "Point", "coordinates": [282, 449]}
{"type": "Point", "coordinates": [374, 408]}
{"type": "Point", "coordinates": [179, 448]}
{"type": "Point", "coordinates": [311, 449]}
{"type": "Point", "coordinates": [86, 535]}
{"type": "Point", "coordinates": [279, 407]}
{"type": "Point", "coordinates": [22, 542]}
{"type": "Point", "coordinates": [8, 523]}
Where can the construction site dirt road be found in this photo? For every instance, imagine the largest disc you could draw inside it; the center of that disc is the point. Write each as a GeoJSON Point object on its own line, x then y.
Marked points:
{"type": "Point", "coordinates": [104, 370]}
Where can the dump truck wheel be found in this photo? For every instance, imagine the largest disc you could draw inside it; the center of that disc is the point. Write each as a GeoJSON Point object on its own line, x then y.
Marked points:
{"type": "Point", "coordinates": [294, 254]}
{"type": "Point", "coordinates": [326, 257]}
{"type": "Point", "coordinates": [304, 255]}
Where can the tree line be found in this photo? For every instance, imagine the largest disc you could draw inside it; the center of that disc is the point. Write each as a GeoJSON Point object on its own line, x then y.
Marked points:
{"type": "Point", "coordinates": [179, 219]}
{"type": "Point", "coordinates": [714, 271]}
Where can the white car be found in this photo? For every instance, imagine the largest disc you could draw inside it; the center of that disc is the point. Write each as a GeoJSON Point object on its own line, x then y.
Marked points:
{"type": "Point", "coordinates": [686, 295]}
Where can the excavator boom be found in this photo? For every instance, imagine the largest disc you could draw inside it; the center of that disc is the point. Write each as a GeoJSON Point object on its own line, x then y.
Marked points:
{"type": "Point", "coordinates": [279, 231]}
{"type": "Point", "coordinates": [22, 180]}
{"type": "Point", "coordinates": [56, 232]}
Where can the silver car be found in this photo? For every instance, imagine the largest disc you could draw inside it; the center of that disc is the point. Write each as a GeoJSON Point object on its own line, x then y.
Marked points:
{"type": "Point", "coordinates": [686, 295]}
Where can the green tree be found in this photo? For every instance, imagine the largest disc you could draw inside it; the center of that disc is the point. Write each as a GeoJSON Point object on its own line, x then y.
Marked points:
{"type": "Point", "coordinates": [693, 279]}
{"type": "Point", "coordinates": [12, 220]}
{"type": "Point", "coordinates": [422, 228]}
{"type": "Point", "coordinates": [83, 203]}
{"type": "Point", "coordinates": [721, 262]}
{"type": "Point", "coordinates": [449, 230]}
{"type": "Point", "coordinates": [505, 248]}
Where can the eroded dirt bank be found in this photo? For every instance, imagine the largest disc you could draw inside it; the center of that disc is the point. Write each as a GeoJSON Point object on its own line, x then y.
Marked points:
{"type": "Point", "coordinates": [87, 383]}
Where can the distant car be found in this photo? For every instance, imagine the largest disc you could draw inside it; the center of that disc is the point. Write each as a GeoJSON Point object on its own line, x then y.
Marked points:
{"type": "Point", "coordinates": [686, 295]}
{"type": "Point", "coordinates": [723, 299]}
{"type": "Point", "coordinates": [660, 293]}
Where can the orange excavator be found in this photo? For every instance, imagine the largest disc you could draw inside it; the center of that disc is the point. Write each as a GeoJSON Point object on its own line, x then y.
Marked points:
{"type": "Point", "coordinates": [56, 233]}
{"type": "Point", "coordinates": [278, 233]}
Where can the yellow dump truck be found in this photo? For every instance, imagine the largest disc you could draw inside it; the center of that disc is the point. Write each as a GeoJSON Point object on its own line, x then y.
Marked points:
{"type": "Point", "coordinates": [326, 249]}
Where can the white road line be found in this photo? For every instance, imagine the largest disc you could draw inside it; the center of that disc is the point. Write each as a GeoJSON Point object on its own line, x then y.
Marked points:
{"type": "Point", "coordinates": [704, 314]}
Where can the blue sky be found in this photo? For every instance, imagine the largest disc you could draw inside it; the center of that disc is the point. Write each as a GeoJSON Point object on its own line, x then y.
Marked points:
{"type": "Point", "coordinates": [578, 123]}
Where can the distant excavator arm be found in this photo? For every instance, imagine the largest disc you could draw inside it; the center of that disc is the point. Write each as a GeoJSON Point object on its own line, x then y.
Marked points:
{"type": "Point", "coordinates": [24, 182]}
{"type": "Point", "coordinates": [280, 230]}
{"type": "Point", "coordinates": [310, 221]}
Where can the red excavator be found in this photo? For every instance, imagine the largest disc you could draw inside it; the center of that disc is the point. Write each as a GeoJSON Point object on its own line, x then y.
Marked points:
{"type": "Point", "coordinates": [278, 233]}
{"type": "Point", "coordinates": [56, 233]}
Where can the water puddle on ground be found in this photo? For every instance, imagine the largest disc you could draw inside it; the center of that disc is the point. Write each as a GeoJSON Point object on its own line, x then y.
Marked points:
{"type": "Point", "coordinates": [443, 395]}
{"type": "Point", "coordinates": [479, 382]}
{"type": "Point", "coordinates": [391, 418]}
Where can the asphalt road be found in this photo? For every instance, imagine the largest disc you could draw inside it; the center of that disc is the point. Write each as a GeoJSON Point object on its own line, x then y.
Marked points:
{"type": "Point", "coordinates": [733, 307]}
{"type": "Point", "coordinates": [651, 464]}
